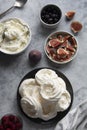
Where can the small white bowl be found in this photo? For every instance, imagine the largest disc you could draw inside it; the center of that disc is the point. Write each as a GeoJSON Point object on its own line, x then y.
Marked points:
{"type": "Point", "coordinates": [59, 15]}
{"type": "Point", "coordinates": [28, 39]}
{"type": "Point", "coordinates": [72, 42]}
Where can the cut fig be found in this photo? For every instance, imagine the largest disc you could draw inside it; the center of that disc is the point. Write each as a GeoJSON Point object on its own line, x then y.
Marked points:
{"type": "Point", "coordinates": [48, 49]}
{"type": "Point", "coordinates": [60, 37]}
{"type": "Point", "coordinates": [65, 44]}
{"type": "Point", "coordinates": [51, 51]}
{"type": "Point", "coordinates": [54, 42]}
{"type": "Point", "coordinates": [62, 52]}
{"type": "Point", "coordinates": [66, 37]}
{"type": "Point", "coordinates": [73, 42]}
{"type": "Point", "coordinates": [70, 48]}
{"type": "Point", "coordinates": [76, 26]}
{"type": "Point", "coordinates": [55, 57]}
{"type": "Point", "coordinates": [69, 15]}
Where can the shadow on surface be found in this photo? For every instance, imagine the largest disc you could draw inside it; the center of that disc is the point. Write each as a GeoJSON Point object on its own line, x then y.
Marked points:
{"type": "Point", "coordinates": [59, 66]}
{"type": "Point", "coordinates": [47, 31]}
{"type": "Point", "coordinates": [6, 60]}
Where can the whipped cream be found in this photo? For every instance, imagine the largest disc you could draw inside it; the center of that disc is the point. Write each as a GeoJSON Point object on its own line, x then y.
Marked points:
{"type": "Point", "coordinates": [14, 35]}
{"type": "Point", "coordinates": [45, 95]}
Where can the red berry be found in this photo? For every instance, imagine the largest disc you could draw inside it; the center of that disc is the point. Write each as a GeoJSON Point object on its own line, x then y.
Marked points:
{"type": "Point", "coordinates": [1, 127]}
{"type": "Point", "coordinates": [18, 126]}
{"type": "Point", "coordinates": [11, 125]}
{"type": "Point", "coordinates": [4, 119]}
{"type": "Point", "coordinates": [8, 129]}
{"type": "Point", "coordinates": [5, 125]}
{"type": "Point", "coordinates": [10, 122]}
{"type": "Point", "coordinates": [11, 118]}
{"type": "Point", "coordinates": [17, 120]}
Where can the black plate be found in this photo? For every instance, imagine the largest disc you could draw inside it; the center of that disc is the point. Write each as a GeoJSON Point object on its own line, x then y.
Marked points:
{"type": "Point", "coordinates": [60, 115]}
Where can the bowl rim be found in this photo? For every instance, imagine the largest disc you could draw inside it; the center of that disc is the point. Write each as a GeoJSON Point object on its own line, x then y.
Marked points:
{"type": "Point", "coordinates": [50, 25]}
{"type": "Point", "coordinates": [29, 39]}
{"type": "Point", "coordinates": [58, 62]}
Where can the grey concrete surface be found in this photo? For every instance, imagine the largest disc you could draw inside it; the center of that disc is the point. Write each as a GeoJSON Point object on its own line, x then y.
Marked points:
{"type": "Point", "coordinates": [13, 68]}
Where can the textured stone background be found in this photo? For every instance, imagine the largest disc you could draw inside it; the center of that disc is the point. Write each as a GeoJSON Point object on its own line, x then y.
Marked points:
{"type": "Point", "coordinates": [12, 69]}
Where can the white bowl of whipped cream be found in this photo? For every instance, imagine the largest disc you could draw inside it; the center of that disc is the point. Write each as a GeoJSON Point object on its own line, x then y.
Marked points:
{"type": "Point", "coordinates": [15, 36]}
{"type": "Point", "coordinates": [45, 94]}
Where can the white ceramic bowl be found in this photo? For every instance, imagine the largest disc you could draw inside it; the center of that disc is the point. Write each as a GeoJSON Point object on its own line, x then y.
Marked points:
{"type": "Point", "coordinates": [24, 46]}
{"type": "Point", "coordinates": [58, 11]}
{"type": "Point", "coordinates": [57, 58]}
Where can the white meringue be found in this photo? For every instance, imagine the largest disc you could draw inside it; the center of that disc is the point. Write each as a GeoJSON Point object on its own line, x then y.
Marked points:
{"type": "Point", "coordinates": [44, 96]}
{"type": "Point", "coordinates": [64, 101]}
{"type": "Point", "coordinates": [61, 82]}
{"type": "Point", "coordinates": [28, 87]}
{"type": "Point", "coordinates": [45, 76]}
{"type": "Point", "coordinates": [53, 90]}
{"type": "Point", "coordinates": [30, 106]}
{"type": "Point", "coordinates": [48, 111]}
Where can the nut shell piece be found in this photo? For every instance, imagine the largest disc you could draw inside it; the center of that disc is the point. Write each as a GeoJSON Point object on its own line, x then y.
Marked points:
{"type": "Point", "coordinates": [76, 26]}
{"type": "Point", "coordinates": [69, 15]}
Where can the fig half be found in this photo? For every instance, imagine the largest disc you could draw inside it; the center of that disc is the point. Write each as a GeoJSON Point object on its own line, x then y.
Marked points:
{"type": "Point", "coordinates": [76, 26]}
{"type": "Point", "coordinates": [70, 14]}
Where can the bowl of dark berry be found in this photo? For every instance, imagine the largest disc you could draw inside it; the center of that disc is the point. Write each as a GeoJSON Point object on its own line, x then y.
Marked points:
{"type": "Point", "coordinates": [11, 122]}
{"type": "Point", "coordinates": [61, 47]}
{"type": "Point", "coordinates": [50, 15]}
